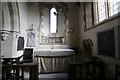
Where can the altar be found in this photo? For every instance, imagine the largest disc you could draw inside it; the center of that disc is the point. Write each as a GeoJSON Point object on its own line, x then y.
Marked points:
{"type": "Point", "coordinates": [53, 60]}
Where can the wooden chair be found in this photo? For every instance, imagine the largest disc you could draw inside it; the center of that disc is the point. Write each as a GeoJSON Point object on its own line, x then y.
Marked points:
{"type": "Point", "coordinates": [27, 56]}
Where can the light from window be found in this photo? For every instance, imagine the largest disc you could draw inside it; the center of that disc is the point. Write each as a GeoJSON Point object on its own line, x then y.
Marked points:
{"type": "Point", "coordinates": [101, 10]}
{"type": "Point", "coordinates": [107, 8]}
{"type": "Point", "coordinates": [53, 20]}
{"type": "Point", "coordinates": [114, 7]}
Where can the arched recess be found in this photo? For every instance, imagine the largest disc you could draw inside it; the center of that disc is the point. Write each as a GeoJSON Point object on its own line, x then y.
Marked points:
{"type": "Point", "coordinates": [62, 23]}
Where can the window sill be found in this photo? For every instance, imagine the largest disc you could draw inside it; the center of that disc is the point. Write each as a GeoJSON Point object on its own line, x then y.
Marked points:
{"type": "Point", "coordinates": [105, 21]}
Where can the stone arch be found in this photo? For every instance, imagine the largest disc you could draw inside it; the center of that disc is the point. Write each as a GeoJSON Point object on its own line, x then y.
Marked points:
{"type": "Point", "coordinates": [10, 15]}
{"type": "Point", "coordinates": [16, 17]}
{"type": "Point", "coordinates": [6, 17]}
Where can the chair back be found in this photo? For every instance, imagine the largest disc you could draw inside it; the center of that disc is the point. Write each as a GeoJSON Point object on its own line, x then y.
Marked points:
{"type": "Point", "coordinates": [28, 54]}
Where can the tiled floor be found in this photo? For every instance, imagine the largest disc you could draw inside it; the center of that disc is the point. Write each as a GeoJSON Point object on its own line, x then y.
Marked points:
{"type": "Point", "coordinates": [53, 79]}
{"type": "Point", "coordinates": [53, 76]}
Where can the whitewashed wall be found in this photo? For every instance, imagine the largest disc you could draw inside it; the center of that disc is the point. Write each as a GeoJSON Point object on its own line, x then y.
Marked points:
{"type": "Point", "coordinates": [23, 11]}
{"type": "Point", "coordinates": [73, 19]}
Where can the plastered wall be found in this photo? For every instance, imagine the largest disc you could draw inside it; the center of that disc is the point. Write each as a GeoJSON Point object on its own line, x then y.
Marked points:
{"type": "Point", "coordinates": [23, 14]}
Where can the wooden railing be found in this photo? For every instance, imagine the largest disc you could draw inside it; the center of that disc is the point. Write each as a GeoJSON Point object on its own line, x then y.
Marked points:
{"type": "Point", "coordinates": [17, 71]}
{"type": "Point", "coordinates": [86, 70]}
{"type": "Point", "coordinates": [117, 70]}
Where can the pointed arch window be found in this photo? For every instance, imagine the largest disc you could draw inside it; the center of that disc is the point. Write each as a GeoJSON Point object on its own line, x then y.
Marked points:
{"type": "Point", "coordinates": [53, 20]}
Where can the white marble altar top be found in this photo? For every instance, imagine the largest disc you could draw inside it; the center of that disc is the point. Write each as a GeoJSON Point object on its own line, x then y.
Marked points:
{"type": "Point", "coordinates": [54, 52]}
